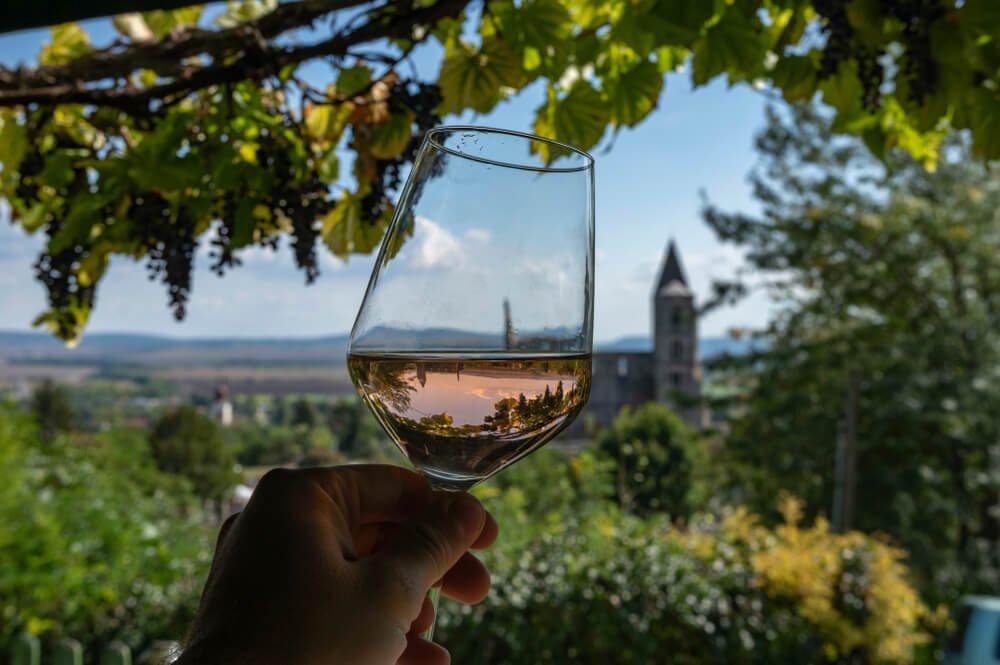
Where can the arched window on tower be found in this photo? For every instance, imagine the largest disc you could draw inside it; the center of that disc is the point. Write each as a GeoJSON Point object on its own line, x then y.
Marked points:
{"type": "Point", "coordinates": [677, 350]}
{"type": "Point", "coordinates": [676, 317]}
{"type": "Point", "coordinates": [676, 380]}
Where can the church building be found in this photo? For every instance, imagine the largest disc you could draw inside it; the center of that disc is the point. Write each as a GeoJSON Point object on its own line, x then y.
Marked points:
{"type": "Point", "coordinates": [670, 372]}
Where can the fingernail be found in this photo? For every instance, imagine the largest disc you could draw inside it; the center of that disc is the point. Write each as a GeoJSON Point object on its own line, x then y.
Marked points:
{"type": "Point", "coordinates": [466, 510]}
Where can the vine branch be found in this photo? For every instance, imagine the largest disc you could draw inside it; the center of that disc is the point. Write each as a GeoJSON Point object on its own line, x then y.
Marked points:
{"type": "Point", "coordinates": [234, 54]}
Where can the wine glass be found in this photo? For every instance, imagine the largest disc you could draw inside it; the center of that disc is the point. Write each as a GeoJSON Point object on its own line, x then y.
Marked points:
{"type": "Point", "coordinates": [473, 343]}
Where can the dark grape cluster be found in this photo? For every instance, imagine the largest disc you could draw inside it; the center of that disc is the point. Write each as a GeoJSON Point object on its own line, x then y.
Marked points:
{"type": "Point", "coordinates": [421, 99]}
{"type": "Point", "coordinates": [165, 228]}
{"type": "Point", "coordinates": [842, 45]}
{"type": "Point", "coordinates": [168, 234]}
{"type": "Point", "coordinates": [221, 253]}
{"type": "Point", "coordinates": [300, 196]}
{"type": "Point", "coordinates": [918, 67]}
{"type": "Point", "coordinates": [57, 273]}
{"type": "Point", "coordinates": [27, 188]}
{"type": "Point", "coordinates": [839, 35]}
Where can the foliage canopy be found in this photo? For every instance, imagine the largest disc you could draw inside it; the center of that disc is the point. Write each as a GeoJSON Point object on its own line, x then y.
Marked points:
{"type": "Point", "coordinates": [192, 129]}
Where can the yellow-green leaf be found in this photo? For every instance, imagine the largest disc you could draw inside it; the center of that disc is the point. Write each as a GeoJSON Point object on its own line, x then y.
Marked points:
{"type": "Point", "coordinates": [536, 23]}
{"type": "Point", "coordinates": [163, 22]}
{"type": "Point", "coordinates": [634, 94]}
{"type": "Point", "coordinates": [390, 138]}
{"type": "Point", "coordinates": [985, 115]}
{"type": "Point", "coordinates": [69, 41]}
{"type": "Point", "coordinates": [133, 26]}
{"type": "Point", "coordinates": [35, 217]}
{"type": "Point", "coordinates": [981, 17]}
{"type": "Point", "coordinates": [92, 268]}
{"type": "Point", "coordinates": [474, 79]}
{"type": "Point", "coordinates": [843, 89]}
{"type": "Point", "coordinates": [345, 233]}
{"type": "Point", "coordinates": [13, 142]}
{"type": "Point", "coordinates": [795, 76]}
{"type": "Point", "coordinates": [578, 119]}
{"type": "Point", "coordinates": [729, 47]}
{"type": "Point", "coordinates": [244, 223]}
{"type": "Point", "coordinates": [326, 123]}
{"type": "Point", "coordinates": [680, 22]}
{"type": "Point", "coordinates": [353, 80]}
{"type": "Point", "coordinates": [58, 169]}
{"type": "Point", "coordinates": [328, 165]}
{"type": "Point", "coordinates": [240, 11]}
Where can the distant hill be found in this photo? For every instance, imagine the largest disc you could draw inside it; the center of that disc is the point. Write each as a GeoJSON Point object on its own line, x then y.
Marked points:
{"type": "Point", "coordinates": [708, 347]}
{"type": "Point", "coordinates": [156, 350]}
{"type": "Point", "coordinates": [162, 351]}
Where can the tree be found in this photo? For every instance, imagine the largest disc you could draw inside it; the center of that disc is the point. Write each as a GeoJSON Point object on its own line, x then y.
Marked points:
{"type": "Point", "coordinates": [180, 131]}
{"type": "Point", "coordinates": [278, 412]}
{"type": "Point", "coordinates": [888, 282]}
{"type": "Point", "coordinates": [186, 443]}
{"type": "Point", "coordinates": [357, 434]}
{"type": "Point", "coordinates": [656, 458]}
{"type": "Point", "coordinates": [51, 409]}
{"type": "Point", "coordinates": [302, 413]}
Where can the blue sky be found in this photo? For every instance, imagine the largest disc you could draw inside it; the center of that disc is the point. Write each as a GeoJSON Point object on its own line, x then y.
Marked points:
{"type": "Point", "coordinates": [648, 184]}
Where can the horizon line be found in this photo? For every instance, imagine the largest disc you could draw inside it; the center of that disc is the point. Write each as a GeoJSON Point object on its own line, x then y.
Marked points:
{"type": "Point", "coordinates": [249, 338]}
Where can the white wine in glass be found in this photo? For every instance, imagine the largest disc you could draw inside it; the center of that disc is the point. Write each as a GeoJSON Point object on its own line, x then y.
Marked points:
{"type": "Point", "coordinates": [473, 343]}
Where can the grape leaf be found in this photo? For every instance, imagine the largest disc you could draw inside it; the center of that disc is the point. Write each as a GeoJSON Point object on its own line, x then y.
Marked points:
{"type": "Point", "coordinates": [680, 23]}
{"type": "Point", "coordinates": [578, 119]}
{"type": "Point", "coordinates": [162, 22]}
{"type": "Point", "coordinates": [985, 114]}
{"type": "Point", "coordinates": [245, 10]}
{"type": "Point", "coordinates": [730, 46]}
{"type": "Point", "coordinates": [474, 79]}
{"type": "Point", "coordinates": [353, 80]}
{"type": "Point", "coordinates": [389, 139]}
{"type": "Point", "coordinates": [634, 94]}
{"type": "Point", "coordinates": [536, 23]}
{"type": "Point", "coordinates": [325, 123]}
{"type": "Point", "coordinates": [795, 76]}
{"type": "Point", "coordinates": [13, 142]}
{"type": "Point", "coordinates": [69, 41]}
{"type": "Point", "coordinates": [244, 222]}
{"type": "Point", "coordinates": [843, 90]}
{"type": "Point", "coordinates": [344, 231]}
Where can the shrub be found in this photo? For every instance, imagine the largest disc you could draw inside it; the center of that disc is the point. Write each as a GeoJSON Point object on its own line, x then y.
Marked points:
{"type": "Point", "coordinates": [96, 544]}
{"type": "Point", "coordinates": [598, 586]}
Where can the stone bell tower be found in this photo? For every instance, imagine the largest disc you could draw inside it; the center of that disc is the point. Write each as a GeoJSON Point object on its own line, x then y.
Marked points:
{"type": "Point", "coordinates": [676, 371]}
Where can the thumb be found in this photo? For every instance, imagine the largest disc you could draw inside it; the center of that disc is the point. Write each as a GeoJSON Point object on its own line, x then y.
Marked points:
{"type": "Point", "coordinates": [426, 548]}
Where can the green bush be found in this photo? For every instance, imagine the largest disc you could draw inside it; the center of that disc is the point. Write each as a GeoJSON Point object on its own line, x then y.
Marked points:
{"type": "Point", "coordinates": [95, 543]}
{"type": "Point", "coordinates": [587, 584]}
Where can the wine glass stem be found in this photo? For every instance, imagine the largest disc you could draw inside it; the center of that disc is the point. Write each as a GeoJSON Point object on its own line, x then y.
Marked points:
{"type": "Point", "coordinates": [435, 593]}
{"type": "Point", "coordinates": [435, 596]}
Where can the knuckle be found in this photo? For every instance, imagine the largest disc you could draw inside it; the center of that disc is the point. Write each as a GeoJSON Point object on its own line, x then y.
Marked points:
{"type": "Point", "coordinates": [394, 587]}
{"type": "Point", "coordinates": [275, 480]}
{"type": "Point", "coordinates": [433, 542]}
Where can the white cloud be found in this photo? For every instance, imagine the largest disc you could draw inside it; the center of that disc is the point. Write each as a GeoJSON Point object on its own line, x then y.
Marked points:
{"type": "Point", "coordinates": [435, 246]}
{"type": "Point", "coordinates": [479, 235]}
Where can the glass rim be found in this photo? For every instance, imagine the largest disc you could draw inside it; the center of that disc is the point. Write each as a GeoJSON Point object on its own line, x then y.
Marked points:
{"type": "Point", "coordinates": [432, 139]}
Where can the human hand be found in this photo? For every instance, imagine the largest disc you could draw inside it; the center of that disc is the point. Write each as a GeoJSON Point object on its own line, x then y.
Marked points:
{"type": "Point", "coordinates": [333, 566]}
